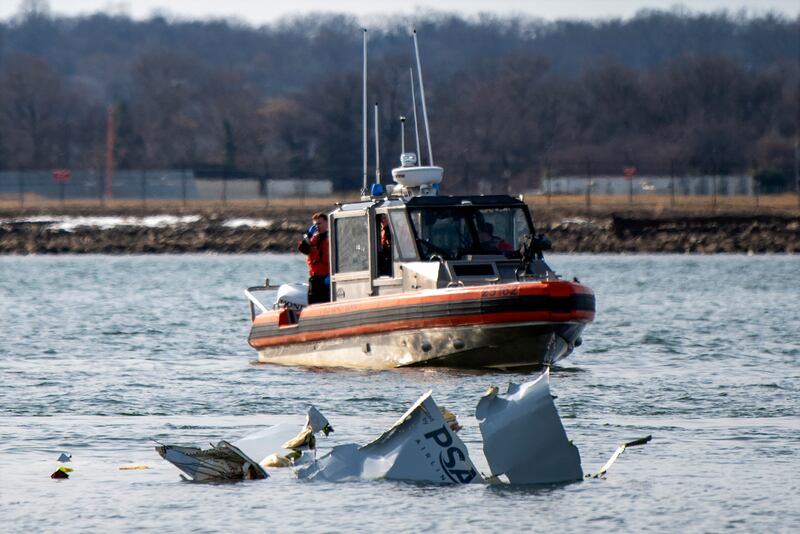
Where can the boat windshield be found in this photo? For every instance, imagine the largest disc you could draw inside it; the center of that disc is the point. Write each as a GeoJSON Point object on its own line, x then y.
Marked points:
{"type": "Point", "coordinates": [453, 232]}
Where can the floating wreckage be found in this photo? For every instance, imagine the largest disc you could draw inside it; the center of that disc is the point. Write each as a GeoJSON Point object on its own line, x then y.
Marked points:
{"type": "Point", "coordinates": [523, 438]}
{"type": "Point", "coordinates": [62, 472]}
{"type": "Point", "coordinates": [276, 446]}
{"type": "Point", "coordinates": [524, 443]}
{"type": "Point", "coordinates": [420, 447]}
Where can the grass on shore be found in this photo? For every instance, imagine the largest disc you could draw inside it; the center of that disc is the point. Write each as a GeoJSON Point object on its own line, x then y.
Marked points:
{"type": "Point", "coordinates": [664, 205]}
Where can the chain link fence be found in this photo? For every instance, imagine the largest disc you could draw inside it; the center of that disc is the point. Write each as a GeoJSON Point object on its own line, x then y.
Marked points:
{"type": "Point", "coordinates": [31, 188]}
{"type": "Point", "coordinates": [37, 187]}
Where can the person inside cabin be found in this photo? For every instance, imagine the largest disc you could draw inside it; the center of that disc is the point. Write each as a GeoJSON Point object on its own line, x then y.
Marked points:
{"type": "Point", "coordinates": [384, 246]}
{"type": "Point", "coordinates": [490, 242]}
{"type": "Point", "coordinates": [315, 246]}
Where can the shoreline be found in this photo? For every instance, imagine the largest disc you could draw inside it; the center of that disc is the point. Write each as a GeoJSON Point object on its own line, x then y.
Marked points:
{"type": "Point", "coordinates": [277, 229]}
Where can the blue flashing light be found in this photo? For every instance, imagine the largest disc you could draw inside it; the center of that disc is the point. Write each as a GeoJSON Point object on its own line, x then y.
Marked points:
{"type": "Point", "coordinates": [435, 188]}
{"type": "Point", "coordinates": [376, 190]}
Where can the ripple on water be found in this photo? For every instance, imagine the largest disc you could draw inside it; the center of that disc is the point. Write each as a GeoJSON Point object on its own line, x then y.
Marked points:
{"type": "Point", "coordinates": [155, 348]}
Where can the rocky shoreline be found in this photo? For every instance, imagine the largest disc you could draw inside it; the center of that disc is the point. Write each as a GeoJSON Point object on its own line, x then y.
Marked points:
{"type": "Point", "coordinates": [699, 234]}
{"type": "Point", "coordinates": [280, 231]}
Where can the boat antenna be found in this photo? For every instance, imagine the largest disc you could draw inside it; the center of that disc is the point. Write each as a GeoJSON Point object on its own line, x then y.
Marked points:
{"type": "Point", "coordinates": [402, 134]}
{"type": "Point", "coordinates": [414, 105]}
{"type": "Point", "coordinates": [377, 148]}
{"type": "Point", "coordinates": [422, 97]}
{"type": "Point", "coordinates": [364, 113]}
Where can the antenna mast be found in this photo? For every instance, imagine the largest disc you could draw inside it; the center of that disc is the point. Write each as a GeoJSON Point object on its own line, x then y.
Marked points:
{"type": "Point", "coordinates": [377, 148]}
{"type": "Point", "coordinates": [414, 105]}
{"type": "Point", "coordinates": [422, 96]}
{"type": "Point", "coordinates": [402, 135]}
{"type": "Point", "coordinates": [364, 139]}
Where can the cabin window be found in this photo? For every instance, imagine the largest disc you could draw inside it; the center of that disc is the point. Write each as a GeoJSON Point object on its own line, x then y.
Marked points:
{"type": "Point", "coordinates": [505, 228]}
{"type": "Point", "coordinates": [352, 240]}
{"type": "Point", "coordinates": [451, 233]}
{"type": "Point", "coordinates": [404, 248]}
{"type": "Point", "coordinates": [443, 232]}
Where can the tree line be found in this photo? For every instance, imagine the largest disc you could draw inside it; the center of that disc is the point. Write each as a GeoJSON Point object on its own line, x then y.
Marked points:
{"type": "Point", "coordinates": [510, 99]}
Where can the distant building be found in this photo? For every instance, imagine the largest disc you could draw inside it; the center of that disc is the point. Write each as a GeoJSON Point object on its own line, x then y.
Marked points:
{"type": "Point", "coordinates": [164, 183]}
{"type": "Point", "coordinates": [649, 185]}
{"type": "Point", "coordinates": [130, 184]}
{"type": "Point", "coordinates": [298, 188]}
{"type": "Point", "coordinates": [211, 188]}
{"type": "Point", "coordinates": [231, 188]}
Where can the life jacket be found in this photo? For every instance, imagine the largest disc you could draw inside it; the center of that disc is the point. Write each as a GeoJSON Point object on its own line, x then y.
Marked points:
{"type": "Point", "coordinates": [496, 244]}
{"type": "Point", "coordinates": [316, 251]}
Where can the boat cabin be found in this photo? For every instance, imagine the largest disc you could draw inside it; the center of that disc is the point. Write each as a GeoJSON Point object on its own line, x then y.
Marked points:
{"type": "Point", "coordinates": [381, 246]}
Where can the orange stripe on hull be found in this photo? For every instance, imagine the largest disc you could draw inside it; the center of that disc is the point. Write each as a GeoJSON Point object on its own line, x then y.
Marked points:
{"type": "Point", "coordinates": [556, 288]}
{"type": "Point", "coordinates": [413, 324]}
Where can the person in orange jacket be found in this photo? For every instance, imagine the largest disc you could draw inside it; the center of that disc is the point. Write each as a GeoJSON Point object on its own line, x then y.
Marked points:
{"type": "Point", "coordinates": [315, 246]}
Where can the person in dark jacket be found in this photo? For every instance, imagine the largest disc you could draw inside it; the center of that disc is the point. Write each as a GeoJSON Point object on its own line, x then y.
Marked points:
{"type": "Point", "coordinates": [384, 246]}
{"type": "Point", "coordinates": [315, 246]}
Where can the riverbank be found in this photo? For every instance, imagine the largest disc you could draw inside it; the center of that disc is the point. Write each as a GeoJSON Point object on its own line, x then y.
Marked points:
{"type": "Point", "coordinates": [667, 234]}
{"type": "Point", "coordinates": [243, 229]}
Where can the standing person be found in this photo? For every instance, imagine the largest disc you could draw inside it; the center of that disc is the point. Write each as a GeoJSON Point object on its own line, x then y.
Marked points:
{"type": "Point", "coordinates": [315, 246]}
{"type": "Point", "coordinates": [384, 247]}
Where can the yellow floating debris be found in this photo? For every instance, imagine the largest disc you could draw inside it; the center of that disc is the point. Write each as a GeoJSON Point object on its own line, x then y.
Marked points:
{"type": "Point", "coordinates": [450, 418]}
{"type": "Point", "coordinates": [304, 438]}
{"type": "Point", "coordinates": [276, 460]}
{"type": "Point", "coordinates": [133, 467]}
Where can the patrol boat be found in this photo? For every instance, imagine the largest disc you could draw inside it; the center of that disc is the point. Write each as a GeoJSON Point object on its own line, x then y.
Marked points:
{"type": "Point", "coordinates": [423, 279]}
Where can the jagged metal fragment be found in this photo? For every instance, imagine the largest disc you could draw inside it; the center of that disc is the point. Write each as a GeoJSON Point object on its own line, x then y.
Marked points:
{"type": "Point", "coordinates": [419, 447]}
{"type": "Point", "coordinates": [617, 452]}
{"type": "Point", "coordinates": [283, 438]}
{"type": "Point", "coordinates": [265, 442]}
{"type": "Point", "coordinates": [221, 462]}
{"type": "Point", "coordinates": [523, 437]}
{"type": "Point", "coordinates": [317, 422]}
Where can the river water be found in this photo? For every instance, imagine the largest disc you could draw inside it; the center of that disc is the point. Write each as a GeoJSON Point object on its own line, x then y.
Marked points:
{"type": "Point", "coordinates": [100, 355]}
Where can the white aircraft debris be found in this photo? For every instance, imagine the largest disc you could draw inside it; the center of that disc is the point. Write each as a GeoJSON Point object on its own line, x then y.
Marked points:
{"type": "Point", "coordinates": [419, 447]}
{"type": "Point", "coordinates": [523, 437]}
{"type": "Point", "coordinates": [620, 450]}
{"type": "Point", "coordinates": [221, 462]}
{"type": "Point", "coordinates": [524, 442]}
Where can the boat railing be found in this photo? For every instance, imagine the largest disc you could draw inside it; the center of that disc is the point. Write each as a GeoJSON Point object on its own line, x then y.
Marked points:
{"type": "Point", "coordinates": [253, 300]}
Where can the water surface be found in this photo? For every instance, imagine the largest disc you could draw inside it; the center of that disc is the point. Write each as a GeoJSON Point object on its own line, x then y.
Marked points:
{"type": "Point", "coordinates": [99, 355]}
